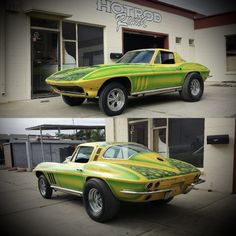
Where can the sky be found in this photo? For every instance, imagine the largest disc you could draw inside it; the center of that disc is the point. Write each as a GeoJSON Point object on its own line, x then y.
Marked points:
{"type": "Point", "coordinates": [206, 7]}
{"type": "Point", "coordinates": [18, 125]}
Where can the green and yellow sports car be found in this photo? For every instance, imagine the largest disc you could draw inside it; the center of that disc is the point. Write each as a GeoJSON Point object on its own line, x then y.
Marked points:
{"type": "Point", "coordinates": [107, 173]}
{"type": "Point", "coordinates": [138, 72]}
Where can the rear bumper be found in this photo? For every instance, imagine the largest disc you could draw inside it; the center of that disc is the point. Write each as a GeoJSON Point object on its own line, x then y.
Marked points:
{"type": "Point", "coordinates": [147, 193]}
{"type": "Point", "coordinates": [173, 189]}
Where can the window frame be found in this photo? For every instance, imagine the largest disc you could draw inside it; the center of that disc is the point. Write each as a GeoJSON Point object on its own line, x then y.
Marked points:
{"type": "Point", "coordinates": [159, 54]}
{"type": "Point", "coordinates": [226, 55]}
{"type": "Point", "coordinates": [77, 152]}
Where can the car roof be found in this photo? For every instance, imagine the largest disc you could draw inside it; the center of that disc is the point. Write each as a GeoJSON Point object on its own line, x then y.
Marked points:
{"type": "Point", "coordinates": [105, 144]}
{"type": "Point", "coordinates": [151, 49]}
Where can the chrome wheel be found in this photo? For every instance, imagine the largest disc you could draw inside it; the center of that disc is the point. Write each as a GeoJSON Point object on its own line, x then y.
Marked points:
{"type": "Point", "coordinates": [195, 87]}
{"type": "Point", "coordinates": [95, 200]}
{"type": "Point", "coordinates": [116, 99]}
{"type": "Point", "coordinates": [42, 186]}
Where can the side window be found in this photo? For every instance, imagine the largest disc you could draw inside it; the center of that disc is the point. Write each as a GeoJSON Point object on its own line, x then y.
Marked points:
{"type": "Point", "coordinates": [83, 154]}
{"type": "Point", "coordinates": [119, 152]}
{"type": "Point", "coordinates": [113, 152]}
{"type": "Point", "coordinates": [165, 58]}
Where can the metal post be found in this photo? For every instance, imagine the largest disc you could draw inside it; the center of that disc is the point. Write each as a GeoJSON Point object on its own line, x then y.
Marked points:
{"type": "Point", "coordinates": [28, 154]}
{"type": "Point", "coordinates": [41, 141]}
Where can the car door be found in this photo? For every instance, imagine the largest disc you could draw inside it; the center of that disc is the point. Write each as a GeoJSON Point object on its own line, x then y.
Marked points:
{"type": "Point", "coordinates": [166, 72]}
{"type": "Point", "coordinates": [71, 174]}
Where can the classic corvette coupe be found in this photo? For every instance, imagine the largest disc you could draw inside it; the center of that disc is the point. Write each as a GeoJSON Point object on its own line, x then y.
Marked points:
{"type": "Point", "coordinates": [107, 173]}
{"type": "Point", "coordinates": [137, 73]}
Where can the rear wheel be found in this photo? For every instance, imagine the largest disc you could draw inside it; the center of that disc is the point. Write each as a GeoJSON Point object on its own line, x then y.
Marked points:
{"type": "Point", "coordinates": [44, 187]}
{"type": "Point", "coordinates": [100, 203]}
{"type": "Point", "coordinates": [113, 99]}
{"type": "Point", "coordinates": [193, 88]}
{"type": "Point", "coordinates": [72, 101]}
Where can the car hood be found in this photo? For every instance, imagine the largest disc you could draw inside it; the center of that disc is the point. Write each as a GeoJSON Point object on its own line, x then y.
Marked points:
{"type": "Point", "coordinates": [72, 74]}
{"type": "Point", "coordinates": [93, 72]}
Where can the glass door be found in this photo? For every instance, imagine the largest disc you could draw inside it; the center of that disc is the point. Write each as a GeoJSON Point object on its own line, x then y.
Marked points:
{"type": "Point", "coordinates": [45, 60]}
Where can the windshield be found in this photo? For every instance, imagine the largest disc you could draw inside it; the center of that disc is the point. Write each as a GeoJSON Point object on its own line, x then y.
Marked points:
{"type": "Point", "coordinates": [137, 57]}
{"type": "Point", "coordinates": [124, 151]}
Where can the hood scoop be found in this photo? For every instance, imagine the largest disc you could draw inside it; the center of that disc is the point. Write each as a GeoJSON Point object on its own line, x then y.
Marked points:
{"type": "Point", "coordinates": [159, 159]}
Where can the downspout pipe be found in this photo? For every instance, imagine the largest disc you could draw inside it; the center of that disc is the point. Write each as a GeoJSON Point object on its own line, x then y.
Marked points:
{"type": "Point", "coordinates": [2, 48]}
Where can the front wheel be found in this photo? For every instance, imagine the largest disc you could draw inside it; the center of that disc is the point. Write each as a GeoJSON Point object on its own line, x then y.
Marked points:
{"type": "Point", "coordinates": [193, 88]}
{"type": "Point", "coordinates": [100, 203]}
{"type": "Point", "coordinates": [44, 187]}
{"type": "Point", "coordinates": [113, 99]}
{"type": "Point", "coordinates": [72, 101]}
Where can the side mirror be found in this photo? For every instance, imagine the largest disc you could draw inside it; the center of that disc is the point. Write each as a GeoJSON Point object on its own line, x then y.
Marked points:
{"type": "Point", "coordinates": [68, 159]}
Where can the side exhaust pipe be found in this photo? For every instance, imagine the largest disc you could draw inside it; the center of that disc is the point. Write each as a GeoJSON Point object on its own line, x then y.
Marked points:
{"type": "Point", "coordinates": [189, 188]}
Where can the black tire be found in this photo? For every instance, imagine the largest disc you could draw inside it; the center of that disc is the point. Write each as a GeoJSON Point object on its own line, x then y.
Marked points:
{"type": "Point", "coordinates": [45, 191]}
{"type": "Point", "coordinates": [72, 101]}
{"type": "Point", "coordinates": [107, 205]}
{"type": "Point", "coordinates": [188, 93]}
{"type": "Point", "coordinates": [117, 106]}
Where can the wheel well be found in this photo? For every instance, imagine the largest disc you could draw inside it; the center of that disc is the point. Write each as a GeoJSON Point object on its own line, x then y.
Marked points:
{"type": "Point", "coordinates": [122, 80]}
{"type": "Point", "coordinates": [90, 177]}
{"type": "Point", "coordinates": [38, 173]}
{"type": "Point", "coordinates": [194, 72]}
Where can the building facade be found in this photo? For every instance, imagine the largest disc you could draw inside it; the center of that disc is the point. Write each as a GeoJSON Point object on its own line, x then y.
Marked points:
{"type": "Point", "coordinates": [186, 139]}
{"type": "Point", "coordinates": [38, 38]}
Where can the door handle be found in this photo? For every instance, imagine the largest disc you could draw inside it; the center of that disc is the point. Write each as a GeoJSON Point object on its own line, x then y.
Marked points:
{"type": "Point", "coordinates": [80, 170]}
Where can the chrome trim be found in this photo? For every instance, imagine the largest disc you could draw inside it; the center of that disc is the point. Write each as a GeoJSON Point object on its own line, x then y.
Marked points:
{"type": "Point", "coordinates": [199, 181]}
{"type": "Point", "coordinates": [158, 91]}
{"type": "Point", "coordinates": [76, 192]}
{"type": "Point", "coordinates": [63, 92]}
{"type": "Point", "coordinates": [147, 193]}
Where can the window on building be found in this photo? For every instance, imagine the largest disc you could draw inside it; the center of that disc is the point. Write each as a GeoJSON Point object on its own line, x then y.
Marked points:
{"type": "Point", "coordinates": [178, 40]}
{"type": "Point", "coordinates": [44, 23]}
{"type": "Point", "coordinates": [160, 144]}
{"type": "Point", "coordinates": [191, 42]}
{"type": "Point", "coordinates": [138, 131]}
{"type": "Point", "coordinates": [231, 52]}
{"type": "Point", "coordinates": [186, 140]}
{"type": "Point", "coordinates": [68, 45]}
{"type": "Point", "coordinates": [90, 40]}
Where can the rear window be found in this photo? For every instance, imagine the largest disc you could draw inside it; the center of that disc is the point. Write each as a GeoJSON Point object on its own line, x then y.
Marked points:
{"type": "Point", "coordinates": [124, 151]}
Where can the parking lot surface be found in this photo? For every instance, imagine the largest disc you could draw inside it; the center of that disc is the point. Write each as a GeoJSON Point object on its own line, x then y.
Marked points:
{"type": "Point", "coordinates": [24, 212]}
{"type": "Point", "coordinates": [217, 101]}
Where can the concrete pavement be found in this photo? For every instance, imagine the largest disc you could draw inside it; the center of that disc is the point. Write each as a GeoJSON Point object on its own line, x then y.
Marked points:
{"type": "Point", "coordinates": [217, 101]}
{"type": "Point", "coordinates": [24, 212]}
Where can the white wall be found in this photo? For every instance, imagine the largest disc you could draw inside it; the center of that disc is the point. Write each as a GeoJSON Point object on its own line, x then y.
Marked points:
{"type": "Point", "coordinates": [117, 130]}
{"type": "Point", "coordinates": [18, 71]}
{"type": "Point", "coordinates": [17, 58]}
{"type": "Point", "coordinates": [219, 159]}
{"type": "Point", "coordinates": [211, 51]}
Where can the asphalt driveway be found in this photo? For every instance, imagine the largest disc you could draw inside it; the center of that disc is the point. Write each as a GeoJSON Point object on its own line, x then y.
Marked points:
{"type": "Point", "coordinates": [24, 212]}
{"type": "Point", "coordinates": [217, 101]}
